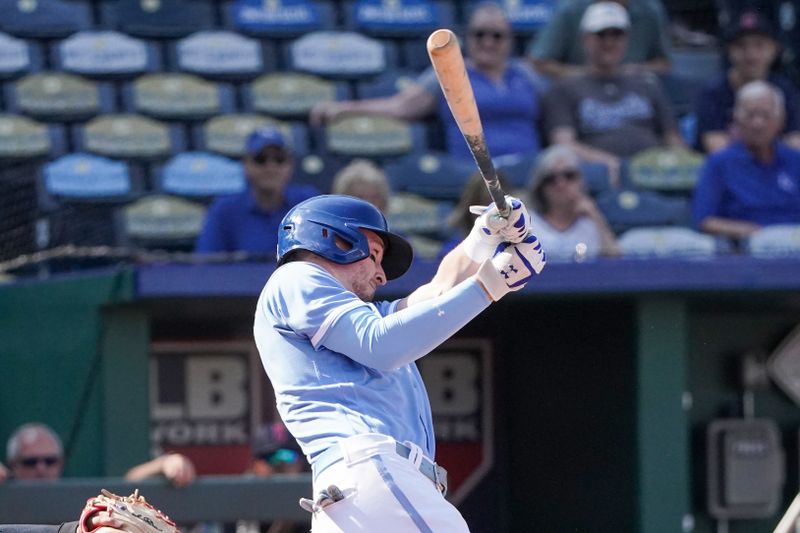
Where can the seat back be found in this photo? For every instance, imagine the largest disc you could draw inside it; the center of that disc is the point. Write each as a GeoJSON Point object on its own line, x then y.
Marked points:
{"type": "Point", "coordinates": [399, 18]}
{"type": "Point", "coordinates": [18, 57]}
{"type": "Point", "coordinates": [105, 54]}
{"type": "Point", "coordinates": [45, 19]}
{"type": "Point", "coordinates": [780, 240]}
{"type": "Point", "coordinates": [431, 175]}
{"type": "Point", "coordinates": [129, 136]}
{"type": "Point", "coordinates": [626, 209]}
{"type": "Point", "coordinates": [178, 96]}
{"type": "Point", "coordinates": [291, 94]}
{"type": "Point", "coordinates": [222, 54]}
{"type": "Point", "coordinates": [23, 138]}
{"type": "Point", "coordinates": [160, 221]}
{"type": "Point", "coordinates": [226, 134]}
{"type": "Point", "coordinates": [59, 96]}
{"type": "Point", "coordinates": [649, 242]}
{"type": "Point", "coordinates": [337, 54]}
{"type": "Point", "coordinates": [158, 19]}
{"type": "Point", "coordinates": [200, 175]}
{"type": "Point", "coordinates": [373, 136]}
{"type": "Point", "coordinates": [279, 19]}
{"type": "Point", "coordinates": [663, 169]}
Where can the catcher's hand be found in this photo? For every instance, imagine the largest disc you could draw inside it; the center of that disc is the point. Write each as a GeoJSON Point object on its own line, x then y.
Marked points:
{"type": "Point", "coordinates": [109, 513]}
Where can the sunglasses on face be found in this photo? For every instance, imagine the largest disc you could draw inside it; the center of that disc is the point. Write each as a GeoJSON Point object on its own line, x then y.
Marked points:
{"type": "Point", "coordinates": [279, 158]}
{"type": "Point", "coordinates": [614, 33]}
{"type": "Point", "coordinates": [568, 174]}
{"type": "Point", "coordinates": [31, 462]}
{"type": "Point", "coordinates": [493, 34]}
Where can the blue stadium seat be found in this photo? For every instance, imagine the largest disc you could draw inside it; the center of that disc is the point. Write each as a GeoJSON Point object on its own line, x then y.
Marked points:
{"type": "Point", "coordinates": [59, 96]}
{"type": "Point", "coordinates": [386, 84]}
{"type": "Point", "coordinates": [526, 16]}
{"type": "Point", "coordinates": [78, 195]}
{"type": "Point", "coordinates": [626, 209]}
{"type": "Point", "coordinates": [129, 136]}
{"type": "Point", "coordinates": [158, 19]}
{"type": "Point", "coordinates": [318, 170]}
{"type": "Point", "coordinates": [226, 134]}
{"type": "Point", "coordinates": [290, 94]}
{"type": "Point", "coordinates": [177, 96]}
{"type": "Point", "coordinates": [45, 19]}
{"type": "Point", "coordinates": [518, 168]}
{"type": "Point", "coordinates": [200, 175]}
{"type": "Point", "coordinates": [371, 136]}
{"type": "Point", "coordinates": [22, 138]}
{"type": "Point", "coordinates": [781, 240]}
{"type": "Point", "coordinates": [222, 55]}
{"type": "Point", "coordinates": [338, 54]}
{"type": "Point", "coordinates": [399, 18]}
{"type": "Point", "coordinates": [284, 19]}
{"type": "Point", "coordinates": [660, 242]}
{"type": "Point", "coordinates": [159, 222]}
{"type": "Point", "coordinates": [105, 54]}
{"type": "Point", "coordinates": [432, 175]}
{"type": "Point", "coordinates": [698, 65]}
{"type": "Point", "coordinates": [18, 57]}
{"type": "Point", "coordinates": [682, 91]}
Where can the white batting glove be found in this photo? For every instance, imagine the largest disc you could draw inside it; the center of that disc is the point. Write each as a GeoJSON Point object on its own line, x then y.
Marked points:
{"type": "Point", "coordinates": [490, 229]}
{"type": "Point", "coordinates": [512, 267]}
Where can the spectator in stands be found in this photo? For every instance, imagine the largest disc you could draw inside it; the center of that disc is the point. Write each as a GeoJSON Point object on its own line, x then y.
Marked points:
{"type": "Point", "coordinates": [755, 181]}
{"type": "Point", "coordinates": [246, 221]}
{"type": "Point", "coordinates": [506, 90]}
{"type": "Point", "coordinates": [363, 179]}
{"type": "Point", "coordinates": [34, 452]}
{"type": "Point", "coordinates": [608, 114]}
{"type": "Point", "coordinates": [274, 451]}
{"type": "Point", "coordinates": [564, 217]}
{"type": "Point", "coordinates": [752, 50]}
{"type": "Point", "coordinates": [557, 49]}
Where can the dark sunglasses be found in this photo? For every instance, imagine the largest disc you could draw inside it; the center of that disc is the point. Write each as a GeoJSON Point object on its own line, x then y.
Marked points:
{"type": "Point", "coordinates": [613, 32]}
{"type": "Point", "coordinates": [495, 35]}
{"type": "Point", "coordinates": [569, 174]}
{"type": "Point", "coordinates": [31, 462]}
{"type": "Point", "coordinates": [281, 456]}
{"type": "Point", "coordinates": [279, 158]}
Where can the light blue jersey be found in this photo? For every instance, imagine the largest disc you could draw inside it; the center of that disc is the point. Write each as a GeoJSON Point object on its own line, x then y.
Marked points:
{"type": "Point", "coordinates": [342, 367]}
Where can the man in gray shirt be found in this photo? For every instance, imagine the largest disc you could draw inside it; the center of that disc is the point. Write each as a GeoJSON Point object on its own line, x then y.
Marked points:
{"type": "Point", "coordinates": [608, 114]}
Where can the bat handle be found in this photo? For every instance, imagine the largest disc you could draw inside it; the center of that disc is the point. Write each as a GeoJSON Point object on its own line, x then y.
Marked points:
{"type": "Point", "coordinates": [480, 152]}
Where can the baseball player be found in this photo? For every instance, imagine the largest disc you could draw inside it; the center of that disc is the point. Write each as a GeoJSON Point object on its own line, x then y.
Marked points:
{"type": "Point", "coordinates": [343, 367]}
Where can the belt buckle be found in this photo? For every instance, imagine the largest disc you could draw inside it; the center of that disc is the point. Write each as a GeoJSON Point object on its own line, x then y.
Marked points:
{"type": "Point", "coordinates": [440, 478]}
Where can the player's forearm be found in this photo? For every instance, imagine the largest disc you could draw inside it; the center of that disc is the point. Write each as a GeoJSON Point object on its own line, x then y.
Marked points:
{"type": "Point", "coordinates": [454, 268]}
{"type": "Point", "coordinates": [390, 342]}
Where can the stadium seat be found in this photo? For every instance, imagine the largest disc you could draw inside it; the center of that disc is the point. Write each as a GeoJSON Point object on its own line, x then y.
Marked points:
{"type": "Point", "coordinates": [129, 136]}
{"type": "Point", "coordinates": [412, 214]}
{"type": "Point", "coordinates": [158, 18]}
{"type": "Point", "coordinates": [518, 168]}
{"type": "Point", "coordinates": [226, 134]}
{"type": "Point", "coordinates": [78, 195]}
{"type": "Point", "coordinates": [18, 57]}
{"type": "Point", "coordinates": [386, 84]}
{"type": "Point", "coordinates": [399, 18]}
{"type": "Point", "coordinates": [22, 138]}
{"type": "Point", "coordinates": [775, 241]}
{"type": "Point", "coordinates": [698, 65]}
{"type": "Point", "coordinates": [526, 16]}
{"type": "Point", "coordinates": [279, 19]}
{"type": "Point", "coordinates": [59, 96]}
{"type": "Point", "coordinates": [105, 54]}
{"type": "Point", "coordinates": [318, 170]}
{"type": "Point", "coordinates": [290, 94]}
{"type": "Point", "coordinates": [177, 96]}
{"type": "Point", "coordinates": [682, 91]}
{"type": "Point", "coordinates": [338, 54]}
{"type": "Point", "coordinates": [45, 19]}
{"type": "Point", "coordinates": [432, 175]}
{"type": "Point", "coordinates": [200, 175]}
{"type": "Point", "coordinates": [626, 209]}
{"type": "Point", "coordinates": [222, 55]}
{"type": "Point", "coordinates": [160, 221]}
{"type": "Point", "coordinates": [660, 242]}
{"type": "Point", "coordinates": [665, 170]}
{"type": "Point", "coordinates": [371, 136]}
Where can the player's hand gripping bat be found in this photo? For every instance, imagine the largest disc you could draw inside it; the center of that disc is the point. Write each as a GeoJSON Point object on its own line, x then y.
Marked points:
{"type": "Point", "coordinates": [448, 63]}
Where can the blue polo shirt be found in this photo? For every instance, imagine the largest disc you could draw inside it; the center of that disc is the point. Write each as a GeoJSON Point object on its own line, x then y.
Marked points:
{"type": "Point", "coordinates": [733, 184]}
{"type": "Point", "coordinates": [236, 222]}
{"type": "Point", "coordinates": [509, 110]}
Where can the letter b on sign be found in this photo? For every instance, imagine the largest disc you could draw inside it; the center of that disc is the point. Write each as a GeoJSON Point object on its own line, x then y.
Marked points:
{"type": "Point", "coordinates": [216, 387]}
{"type": "Point", "coordinates": [452, 383]}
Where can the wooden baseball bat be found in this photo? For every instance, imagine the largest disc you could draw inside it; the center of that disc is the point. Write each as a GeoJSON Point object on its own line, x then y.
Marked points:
{"type": "Point", "coordinates": [448, 63]}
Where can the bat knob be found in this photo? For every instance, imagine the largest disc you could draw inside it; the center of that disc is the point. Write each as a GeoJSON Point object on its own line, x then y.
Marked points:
{"type": "Point", "coordinates": [440, 39]}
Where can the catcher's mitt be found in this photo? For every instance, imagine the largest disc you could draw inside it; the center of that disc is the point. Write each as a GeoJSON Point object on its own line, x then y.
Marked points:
{"type": "Point", "coordinates": [109, 513]}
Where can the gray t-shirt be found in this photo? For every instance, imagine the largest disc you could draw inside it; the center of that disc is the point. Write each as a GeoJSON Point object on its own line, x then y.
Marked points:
{"type": "Point", "coordinates": [621, 114]}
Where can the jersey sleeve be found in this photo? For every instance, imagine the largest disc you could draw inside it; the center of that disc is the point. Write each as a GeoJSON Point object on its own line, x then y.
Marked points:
{"type": "Point", "coordinates": [707, 193]}
{"type": "Point", "coordinates": [212, 236]}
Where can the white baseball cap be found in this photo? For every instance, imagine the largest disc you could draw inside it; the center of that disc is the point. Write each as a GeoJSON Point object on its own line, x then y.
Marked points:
{"type": "Point", "coordinates": [604, 15]}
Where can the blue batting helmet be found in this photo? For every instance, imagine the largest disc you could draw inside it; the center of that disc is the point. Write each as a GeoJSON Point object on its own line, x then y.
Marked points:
{"type": "Point", "coordinates": [314, 224]}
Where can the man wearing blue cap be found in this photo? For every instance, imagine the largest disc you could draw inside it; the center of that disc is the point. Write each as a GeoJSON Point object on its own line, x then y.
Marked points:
{"type": "Point", "coordinates": [246, 221]}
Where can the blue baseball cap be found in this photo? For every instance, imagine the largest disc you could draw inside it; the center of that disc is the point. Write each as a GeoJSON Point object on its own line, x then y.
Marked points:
{"type": "Point", "coordinates": [262, 137]}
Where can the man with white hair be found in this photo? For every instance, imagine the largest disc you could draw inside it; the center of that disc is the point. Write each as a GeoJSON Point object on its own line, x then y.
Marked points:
{"type": "Point", "coordinates": [755, 181]}
{"type": "Point", "coordinates": [34, 451]}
